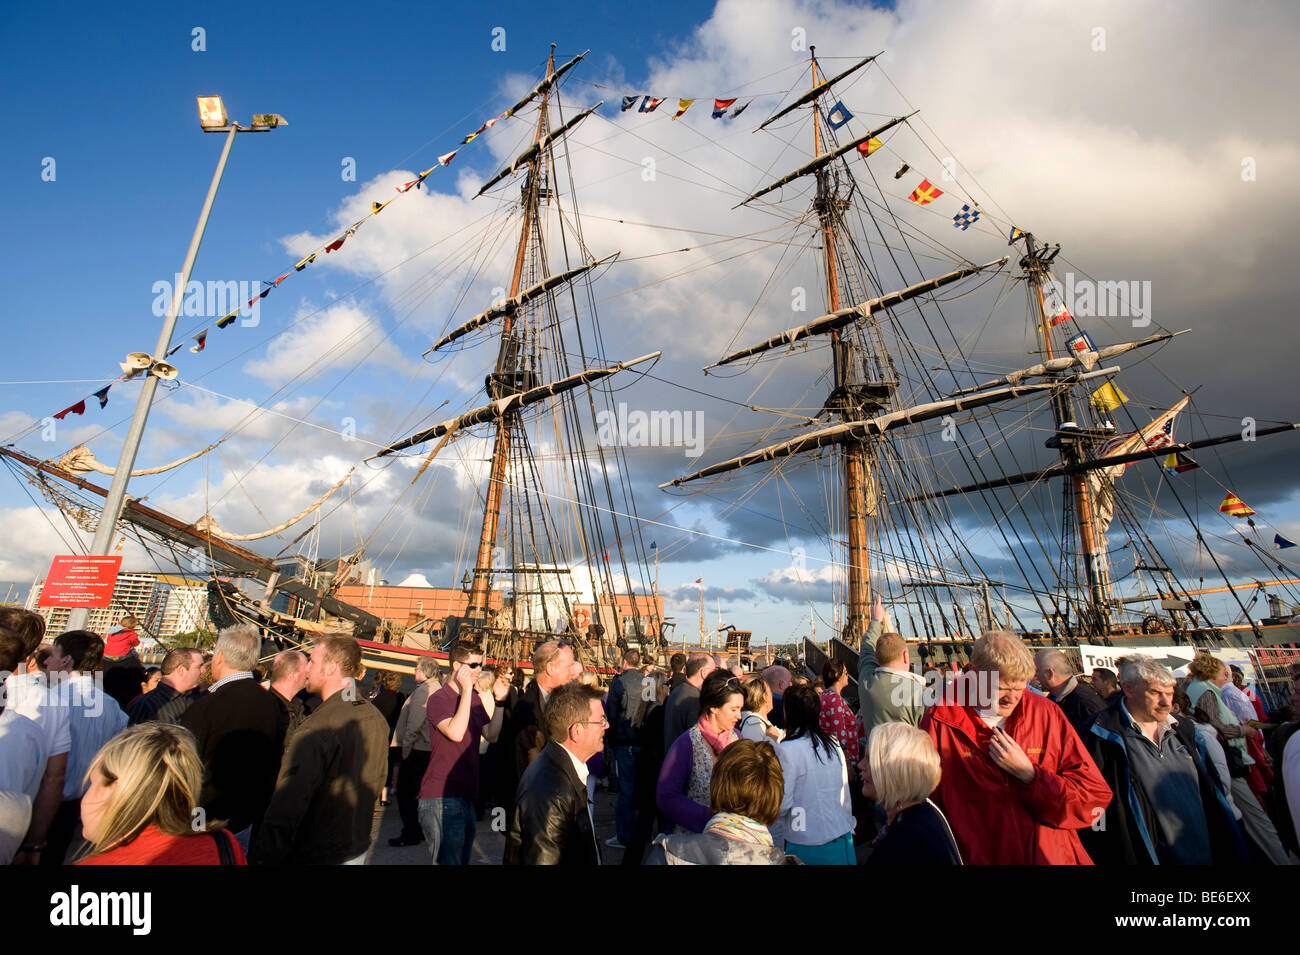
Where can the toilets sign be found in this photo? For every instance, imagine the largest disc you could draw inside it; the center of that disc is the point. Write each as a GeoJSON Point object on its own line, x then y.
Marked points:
{"type": "Point", "coordinates": [1092, 656]}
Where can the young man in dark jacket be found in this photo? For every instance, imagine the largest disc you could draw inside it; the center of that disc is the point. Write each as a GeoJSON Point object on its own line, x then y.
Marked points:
{"type": "Point", "coordinates": [337, 761]}
{"type": "Point", "coordinates": [626, 706]}
{"type": "Point", "coordinates": [552, 822]}
{"type": "Point", "coordinates": [1166, 810]}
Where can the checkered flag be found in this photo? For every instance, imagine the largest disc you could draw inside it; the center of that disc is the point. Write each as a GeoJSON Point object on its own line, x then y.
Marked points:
{"type": "Point", "coordinates": [965, 219]}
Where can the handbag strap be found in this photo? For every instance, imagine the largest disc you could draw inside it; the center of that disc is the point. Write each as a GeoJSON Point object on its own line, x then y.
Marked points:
{"type": "Point", "coordinates": [225, 854]}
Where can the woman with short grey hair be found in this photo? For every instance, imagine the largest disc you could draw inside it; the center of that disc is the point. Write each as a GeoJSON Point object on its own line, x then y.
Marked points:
{"type": "Point", "coordinates": [900, 770]}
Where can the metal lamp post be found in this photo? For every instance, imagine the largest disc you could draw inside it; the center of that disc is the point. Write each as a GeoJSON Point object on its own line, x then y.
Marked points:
{"type": "Point", "coordinates": [213, 119]}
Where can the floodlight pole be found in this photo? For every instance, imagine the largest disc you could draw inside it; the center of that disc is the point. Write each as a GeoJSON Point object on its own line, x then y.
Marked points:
{"type": "Point", "coordinates": [113, 503]}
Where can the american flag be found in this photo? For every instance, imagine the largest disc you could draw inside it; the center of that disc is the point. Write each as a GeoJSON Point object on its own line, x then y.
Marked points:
{"type": "Point", "coordinates": [1162, 437]}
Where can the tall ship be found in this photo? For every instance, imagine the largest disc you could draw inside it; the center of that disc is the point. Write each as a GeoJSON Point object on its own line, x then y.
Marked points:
{"type": "Point", "coordinates": [974, 478]}
{"type": "Point", "coordinates": [947, 480]}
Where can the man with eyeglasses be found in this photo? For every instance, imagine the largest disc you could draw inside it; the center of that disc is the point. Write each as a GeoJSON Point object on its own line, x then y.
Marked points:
{"type": "Point", "coordinates": [459, 716]}
{"type": "Point", "coordinates": [552, 822]}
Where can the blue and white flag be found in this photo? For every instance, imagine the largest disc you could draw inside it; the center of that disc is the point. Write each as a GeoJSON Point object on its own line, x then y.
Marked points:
{"type": "Point", "coordinates": [1281, 543]}
{"type": "Point", "coordinates": [838, 116]}
{"type": "Point", "coordinates": [966, 218]}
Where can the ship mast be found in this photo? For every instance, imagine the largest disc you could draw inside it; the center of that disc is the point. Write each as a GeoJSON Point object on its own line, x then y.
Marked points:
{"type": "Point", "coordinates": [862, 386]}
{"type": "Point", "coordinates": [854, 452]}
{"type": "Point", "coordinates": [504, 381]}
{"type": "Point", "coordinates": [1070, 442]}
{"type": "Point", "coordinates": [516, 381]}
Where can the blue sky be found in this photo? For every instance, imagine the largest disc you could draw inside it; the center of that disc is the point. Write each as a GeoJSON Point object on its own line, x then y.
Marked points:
{"type": "Point", "coordinates": [1135, 186]}
{"type": "Point", "coordinates": [108, 93]}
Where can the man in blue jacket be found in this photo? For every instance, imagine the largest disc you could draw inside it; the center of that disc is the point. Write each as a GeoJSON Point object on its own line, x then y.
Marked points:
{"type": "Point", "coordinates": [1166, 810]}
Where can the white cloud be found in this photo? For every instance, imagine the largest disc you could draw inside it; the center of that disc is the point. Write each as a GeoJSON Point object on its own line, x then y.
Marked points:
{"type": "Point", "coordinates": [34, 536]}
{"type": "Point", "coordinates": [341, 334]}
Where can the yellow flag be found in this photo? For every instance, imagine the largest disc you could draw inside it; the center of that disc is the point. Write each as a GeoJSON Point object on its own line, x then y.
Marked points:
{"type": "Point", "coordinates": [870, 146]}
{"type": "Point", "coordinates": [682, 106]}
{"type": "Point", "coordinates": [1234, 506]}
{"type": "Point", "coordinates": [1108, 397]}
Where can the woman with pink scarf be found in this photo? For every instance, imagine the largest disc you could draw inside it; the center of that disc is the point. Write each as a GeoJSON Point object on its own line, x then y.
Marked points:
{"type": "Point", "coordinates": [683, 790]}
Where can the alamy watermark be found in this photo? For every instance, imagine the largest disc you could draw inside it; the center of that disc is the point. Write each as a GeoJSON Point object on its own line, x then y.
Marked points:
{"type": "Point", "coordinates": [212, 299]}
{"type": "Point", "coordinates": [977, 688]}
{"type": "Point", "coordinates": [646, 429]}
{"type": "Point", "coordinates": [76, 907]}
{"type": "Point", "coordinates": [1121, 298]}
{"type": "Point", "coordinates": [42, 690]}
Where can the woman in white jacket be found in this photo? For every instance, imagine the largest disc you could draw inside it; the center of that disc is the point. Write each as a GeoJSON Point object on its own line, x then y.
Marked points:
{"type": "Point", "coordinates": [816, 820]}
{"type": "Point", "coordinates": [754, 723]}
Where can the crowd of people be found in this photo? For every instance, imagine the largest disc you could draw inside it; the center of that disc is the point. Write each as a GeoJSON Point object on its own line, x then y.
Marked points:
{"type": "Point", "coordinates": [213, 760]}
{"type": "Point", "coordinates": [234, 757]}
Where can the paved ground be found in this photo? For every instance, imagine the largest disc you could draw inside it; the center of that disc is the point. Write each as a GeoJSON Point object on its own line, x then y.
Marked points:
{"type": "Point", "coordinates": [489, 844]}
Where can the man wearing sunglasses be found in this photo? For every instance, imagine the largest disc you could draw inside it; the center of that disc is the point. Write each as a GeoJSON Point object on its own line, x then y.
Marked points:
{"type": "Point", "coordinates": [459, 716]}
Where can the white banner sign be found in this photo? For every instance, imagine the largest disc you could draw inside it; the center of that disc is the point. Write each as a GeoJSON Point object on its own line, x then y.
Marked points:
{"type": "Point", "coordinates": [1093, 656]}
{"type": "Point", "coordinates": [1176, 658]}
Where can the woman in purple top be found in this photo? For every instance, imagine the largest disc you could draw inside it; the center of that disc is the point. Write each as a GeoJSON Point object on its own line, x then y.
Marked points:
{"type": "Point", "coordinates": [683, 790]}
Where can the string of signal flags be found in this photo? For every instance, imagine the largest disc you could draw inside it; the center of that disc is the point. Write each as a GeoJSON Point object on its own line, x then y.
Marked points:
{"type": "Point", "coordinates": [837, 116]}
{"type": "Point", "coordinates": [201, 339]}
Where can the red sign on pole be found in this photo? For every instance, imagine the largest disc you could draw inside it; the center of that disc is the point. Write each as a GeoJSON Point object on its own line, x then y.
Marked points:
{"type": "Point", "coordinates": [80, 582]}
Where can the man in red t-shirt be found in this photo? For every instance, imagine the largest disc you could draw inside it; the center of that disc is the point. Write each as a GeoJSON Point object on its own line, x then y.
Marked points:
{"type": "Point", "coordinates": [458, 717]}
{"type": "Point", "coordinates": [122, 639]}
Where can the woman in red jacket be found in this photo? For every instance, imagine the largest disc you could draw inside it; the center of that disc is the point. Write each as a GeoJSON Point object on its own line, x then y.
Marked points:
{"type": "Point", "coordinates": [1017, 782]}
{"type": "Point", "coordinates": [140, 807]}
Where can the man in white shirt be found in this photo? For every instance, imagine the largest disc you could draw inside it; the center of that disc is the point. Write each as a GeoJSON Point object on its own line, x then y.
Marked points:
{"type": "Point", "coordinates": [22, 744]}
{"type": "Point", "coordinates": [30, 695]}
{"type": "Point", "coordinates": [94, 718]}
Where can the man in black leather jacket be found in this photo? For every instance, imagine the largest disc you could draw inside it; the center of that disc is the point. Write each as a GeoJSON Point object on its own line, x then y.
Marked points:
{"type": "Point", "coordinates": [552, 822]}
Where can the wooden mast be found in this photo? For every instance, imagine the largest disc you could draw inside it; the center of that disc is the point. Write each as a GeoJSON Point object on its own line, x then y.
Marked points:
{"type": "Point", "coordinates": [1092, 545]}
{"type": "Point", "coordinates": [854, 451]}
{"type": "Point", "coordinates": [476, 611]}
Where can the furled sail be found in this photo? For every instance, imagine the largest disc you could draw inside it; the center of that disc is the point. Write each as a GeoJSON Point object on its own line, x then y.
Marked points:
{"type": "Point", "coordinates": [510, 305]}
{"type": "Point", "coordinates": [81, 460]}
{"type": "Point", "coordinates": [859, 430]}
{"type": "Point", "coordinates": [1110, 460]}
{"type": "Point", "coordinates": [534, 150]}
{"type": "Point", "coordinates": [826, 158]}
{"type": "Point", "coordinates": [846, 316]}
{"type": "Point", "coordinates": [817, 91]}
{"type": "Point", "coordinates": [208, 524]}
{"type": "Point", "coordinates": [503, 406]}
{"type": "Point", "coordinates": [545, 85]}
{"type": "Point", "coordinates": [1057, 365]}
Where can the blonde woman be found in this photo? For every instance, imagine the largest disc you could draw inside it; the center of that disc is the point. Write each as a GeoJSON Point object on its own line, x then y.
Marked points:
{"type": "Point", "coordinates": [899, 771]}
{"type": "Point", "coordinates": [754, 723]}
{"type": "Point", "coordinates": [140, 807]}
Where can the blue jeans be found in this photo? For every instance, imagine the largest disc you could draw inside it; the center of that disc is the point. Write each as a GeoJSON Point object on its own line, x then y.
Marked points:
{"type": "Point", "coordinates": [449, 827]}
{"type": "Point", "coordinates": [625, 760]}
